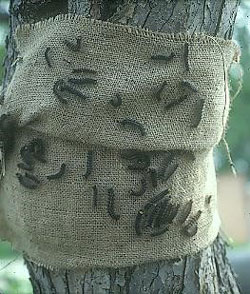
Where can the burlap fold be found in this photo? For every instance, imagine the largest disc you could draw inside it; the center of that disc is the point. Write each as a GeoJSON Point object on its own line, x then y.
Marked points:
{"type": "Point", "coordinates": [118, 125]}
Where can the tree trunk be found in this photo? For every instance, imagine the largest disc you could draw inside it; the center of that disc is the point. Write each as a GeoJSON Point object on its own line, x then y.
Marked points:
{"type": "Point", "coordinates": [209, 270]}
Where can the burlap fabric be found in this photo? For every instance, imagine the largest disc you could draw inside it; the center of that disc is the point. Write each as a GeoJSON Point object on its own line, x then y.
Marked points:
{"type": "Point", "coordinates": [160, 94]}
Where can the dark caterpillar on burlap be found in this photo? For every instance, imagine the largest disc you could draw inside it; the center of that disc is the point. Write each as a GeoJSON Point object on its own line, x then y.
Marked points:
{"type": "Point", "coordinates": [83, 70]}
{"type": "Point", "coordinates": [46, 55]}
{"type": "Point", "coordinates": [198, 113]}
{"type": "Point", "coordinates": [89, 164]}
{"type": "Point", "coordinates": [185, 212]}
{"type": "Point", "coordinates": [191, 228]}
{"type": "Point", "coordinates": [133, 122]}
{"type": "Point", "coordinates": [160, 90]}
{"type": "Point", "coordinates": [163, 57]}
{"type": "Point", "coordinates": [111, 199]}
{"type": "Point", "coordinates": [59, 174]}
{"type": "Point", "coordinates": [186, 53]}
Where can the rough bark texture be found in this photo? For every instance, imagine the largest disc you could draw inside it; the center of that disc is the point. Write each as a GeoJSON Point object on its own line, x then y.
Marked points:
{"type": "Point", "coordinates": [206, 272]}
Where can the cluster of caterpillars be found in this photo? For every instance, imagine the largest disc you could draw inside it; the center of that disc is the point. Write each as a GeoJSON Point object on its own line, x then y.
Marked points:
{"type": "Point", "coordinates": [62, 87]}
{"type": "Point", "coordinates": [159, 212]}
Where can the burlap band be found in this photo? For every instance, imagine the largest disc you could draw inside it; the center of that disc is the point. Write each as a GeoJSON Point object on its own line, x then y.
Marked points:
{"type": "Point", "coordinates": [118, 125]}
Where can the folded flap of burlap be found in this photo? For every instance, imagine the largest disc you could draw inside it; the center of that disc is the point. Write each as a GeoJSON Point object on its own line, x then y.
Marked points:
{"type": "Point", "coordinates": [113, 160]}
{"type": "Point", "coordinates": [162, 99]}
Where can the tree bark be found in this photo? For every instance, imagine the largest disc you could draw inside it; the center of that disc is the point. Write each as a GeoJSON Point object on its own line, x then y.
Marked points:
{"type": "Point", "coordinates": [206, 272]}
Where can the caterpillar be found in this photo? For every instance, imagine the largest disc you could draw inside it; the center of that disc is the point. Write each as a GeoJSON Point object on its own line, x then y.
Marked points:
{"type": "Point", "coordinates": [169, 214]}
{"type": "Point", "coordinates": [82, 81]}
{"type": "Point", "coordinates": [57, 89]}
{"type": "Point", "coordinates": [95, 193]}
{"type": "Point", "coordinates": [160, 90]}
{"type": "Point", "coordinates": [155, 199]}
{"type": "Point", "coordinates": [170, 171]}
{"type": "Point", "coordinates": [158, 218]}
{"type": "Point", "coordinates": [89, 164]}
{"type": "Point", "coordinates": [198, 113]}
{"type": "Point", "coordinates": [167, 159]}
{"type": "Point", "coordinates": [142, 190]}
{"type": "Point", "coordinates": [189, 85]}
{"type": "Point", "coordinates": [26, 181]}
{"type": "Point", "coordinates": [154, 177]}
{"type": "Point", "coordinates": [132, 122]}
{"type": "Point", "coordinates": [74, 47]}
{"type": "Point", "coordinates": [186, 53]}
{"type": "Point", "coordinates": [46, 55]}
{"type": "Point", "coordinates": [83, 70]}
{"type": "Point", "coordinates": [185, 211]}
{"type": "Point", "coordinates": [138, 223]}
{"type": "Point", "coordinates": [191, 228]}
{"type": "Point", "coordinates": [163, 57]}
{"type": "Point", "coordinates": [59, 174]}
{"type": "Point", "coordinates": [111, 212]}
{"type": "Point", "coordinates": [74, 91]}
{"type": "Point", "coordinates": [208, 199]}
{"type": "Point", "coordinates": [117, 101]}
{"type": "Point", "coordinates": [175, 102]}
{"type": "Point", "coordinates": [152, 215]}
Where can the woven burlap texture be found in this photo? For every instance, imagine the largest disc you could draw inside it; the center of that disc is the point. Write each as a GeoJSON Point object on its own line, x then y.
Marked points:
{"type": "Point", "coordinates": [56, 225]}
